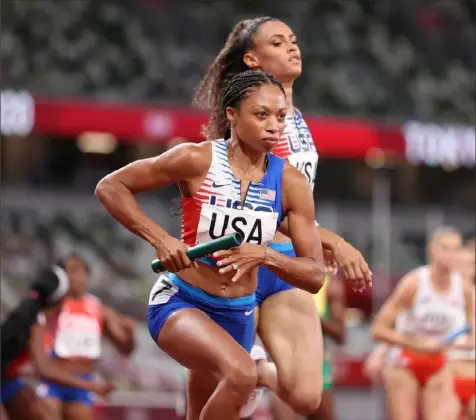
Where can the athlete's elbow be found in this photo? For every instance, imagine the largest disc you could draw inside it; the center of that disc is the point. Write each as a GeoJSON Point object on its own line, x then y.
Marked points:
{"type": "Point", "coordinates": [102, 188]}
{"type": "Point", "coordinates": [107, 190]}
{"type": "Point", "coordinates": [317, 279]}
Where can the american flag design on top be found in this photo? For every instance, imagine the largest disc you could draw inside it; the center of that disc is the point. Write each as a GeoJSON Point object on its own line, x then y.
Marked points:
{"type": "Point", "coordinates": [266, 194]}
{"type": "Point", "coordinates": [297, 146]}
{"type": "Point", "coordinates": [216, 209]}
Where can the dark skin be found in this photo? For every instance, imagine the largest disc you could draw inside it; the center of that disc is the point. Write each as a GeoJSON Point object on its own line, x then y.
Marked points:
{"type": "Point", "coordinates": [276, 51]}
{"type": "Point", "coordinates": [187, 165]}
{"type": "Point", "coordinates": [25, 405]}
{"type": "Point", "coordinates": [115, 329]}
{"type": "Point", "coordinates": [334, 327]}
{"type": "Point", "coordinates": [189, 336]}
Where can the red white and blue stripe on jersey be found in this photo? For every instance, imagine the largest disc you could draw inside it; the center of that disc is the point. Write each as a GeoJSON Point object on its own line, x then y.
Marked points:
{"type": "Point", "coordinates": [296, 137]}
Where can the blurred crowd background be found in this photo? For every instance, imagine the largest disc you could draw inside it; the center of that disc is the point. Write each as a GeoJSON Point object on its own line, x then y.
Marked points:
{"type": "Point", "coordinates": [387, 90]}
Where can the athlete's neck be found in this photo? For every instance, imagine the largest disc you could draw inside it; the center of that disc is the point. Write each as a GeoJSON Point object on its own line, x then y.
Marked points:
{"type": "Point", "coordinates": [244, 158]}
{"type": "Point", "coordinates": [76, 296]}
{"type": "Point", "coordinates": [440, 276]}
{"type": "Point", "coordinates": [288, 89]}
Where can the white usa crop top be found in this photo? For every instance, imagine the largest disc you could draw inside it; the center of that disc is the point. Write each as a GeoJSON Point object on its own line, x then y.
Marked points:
{"type": "Point", "coordinates": [216, 209]}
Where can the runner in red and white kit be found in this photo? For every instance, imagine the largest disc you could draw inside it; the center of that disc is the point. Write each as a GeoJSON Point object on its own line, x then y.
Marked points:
{"type": "Point", "coordinates": [463, 361]}
{"type": "Point", "coordinates": [23, 350]}
{"type": "Point", "coordinates": [77, 340]}
{"type": "Point", "coordinates": [286, 321]}
{"type": "Point", "coordinates": [432, 299]}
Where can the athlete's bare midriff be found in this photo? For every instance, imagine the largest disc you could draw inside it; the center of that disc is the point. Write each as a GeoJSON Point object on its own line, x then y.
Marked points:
{"type": "Point", "coordinates": [78, 365]}
{"type": "Point", "coordinates": [208, 279]}
{"type": "Point", "coordinates": [281, 238]}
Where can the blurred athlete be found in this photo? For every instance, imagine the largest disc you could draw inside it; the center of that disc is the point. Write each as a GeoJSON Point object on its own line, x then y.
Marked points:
{"type": "Point", "coordinates": [330, 303]}
{"type": "Point", "coordinates": [286, 319]}
{"type": "Point", "coordinates": [23, 342]}
{"type": "Point", "coordinates": [201, 313]}
{"type": "Point", "coordinates": [433, 299]}
{"type": "Point", "coordinates": [77, 337]}
{"type": "Point", "coordinates": [463, 361]}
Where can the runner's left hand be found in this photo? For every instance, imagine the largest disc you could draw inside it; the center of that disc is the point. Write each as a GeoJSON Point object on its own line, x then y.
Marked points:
{"type": "Point", "coordinates": [353, 265]}
{"type": "Point", "coordinates": [242, 259]}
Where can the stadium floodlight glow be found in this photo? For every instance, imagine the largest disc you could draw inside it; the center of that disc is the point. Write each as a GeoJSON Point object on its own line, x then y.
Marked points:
{"type": "Point", "coordinates": [98, 143]}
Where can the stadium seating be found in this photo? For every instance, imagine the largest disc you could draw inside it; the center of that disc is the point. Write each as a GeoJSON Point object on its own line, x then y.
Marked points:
{"type": "Point", "coordinates": [385, 59]}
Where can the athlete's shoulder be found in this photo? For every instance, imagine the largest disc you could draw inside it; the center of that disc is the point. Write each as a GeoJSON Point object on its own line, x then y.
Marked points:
{"type": "Point", "coordinates": [192, 151]}
{"type": "Point", "coordinates": [408, 284]}
{"type": "Point", "coordinates": [92, 299]}
{"type": "Point", "coordinates": [296, 191]}
{"type": "Point", "coordinates": [468, 286]}
{"type": "Point", "coordinates": [192, 157]}
{"type": "Point", "coordinates": [292, 174]}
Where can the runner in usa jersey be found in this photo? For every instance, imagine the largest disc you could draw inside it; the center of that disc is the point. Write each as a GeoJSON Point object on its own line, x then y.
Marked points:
{"type": "Point", "coordinates": [23, 349]}
{"type": "Point", "coordinates": [289, 330]}
{"type": "Point", "coordinates": [433, 300]}
{"type": "Point", "coordinates": [202, 313]}
{"type": "Point", "coordinates": [75, 340]}
{"type": "Point", "coordinates": [297, 146]}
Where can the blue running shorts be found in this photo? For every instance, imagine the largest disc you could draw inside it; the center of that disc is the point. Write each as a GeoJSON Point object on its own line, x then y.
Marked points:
{"type": "Point", "coordinates": [171, 294]}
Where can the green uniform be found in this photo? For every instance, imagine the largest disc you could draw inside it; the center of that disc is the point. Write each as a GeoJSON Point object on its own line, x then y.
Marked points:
{"type": "Point", "coordinates": [322, 305]}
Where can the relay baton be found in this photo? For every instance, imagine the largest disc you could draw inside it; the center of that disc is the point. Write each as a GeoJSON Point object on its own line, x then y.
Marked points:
{"type": "Point", "coordinates": [455, 334]}
{"type": "Point", "coordinates": [201, 250]}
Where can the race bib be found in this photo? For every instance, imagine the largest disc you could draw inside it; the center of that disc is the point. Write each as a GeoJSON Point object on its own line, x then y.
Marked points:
{"type": "Point", "coordinates": [162, 291]}
{"type": "Point", "coordinates": [78, 336]}
{"type": "Point", "coordinates": [306, 163]}
{"type": "Point", "coordinates": [256, 227]}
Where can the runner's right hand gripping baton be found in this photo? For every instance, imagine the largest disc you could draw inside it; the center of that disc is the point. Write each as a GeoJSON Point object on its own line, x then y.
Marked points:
{"type": "Point", "coordinates": [201, 250]}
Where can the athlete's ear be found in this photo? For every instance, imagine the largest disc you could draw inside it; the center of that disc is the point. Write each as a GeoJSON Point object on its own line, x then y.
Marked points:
{"type": "Point", "coordinates": [231, 115]}
{"type": "Point", "coordinates": [251, 60]}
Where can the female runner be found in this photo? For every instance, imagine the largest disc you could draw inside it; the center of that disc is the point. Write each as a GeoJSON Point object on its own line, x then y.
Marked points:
{"type": "Point", "coordinates": [23, 341]}
{"type": "Point", "coordinates": [330, 303]}
{"type": "Point", "coordinates": [286, 319]}
{"type": "Point", "coordinates": [433, 300]}
{"type": "Point", "coordinates": [77, 338]}
{"type": "Point", "coordinates": [202, 316]}
{"type": "Point", "coordinates": [463, 361]}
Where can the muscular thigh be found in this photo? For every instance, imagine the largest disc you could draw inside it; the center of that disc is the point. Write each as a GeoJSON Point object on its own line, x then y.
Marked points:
{"type": "Point", "coordinates": [25, 405]}
{"type": "Point", "coordinates": [439, 400]}
{"type": "Point", "coordinates": [198, 343]}
{"type": "Point", "coordinates": [78, 411]}
{"type": "Point", "coordinates": [54, 405]}
{"type": "Point", "coordinates": [291, 331]}
{"type": "Point", "coordinates": [402, 393]}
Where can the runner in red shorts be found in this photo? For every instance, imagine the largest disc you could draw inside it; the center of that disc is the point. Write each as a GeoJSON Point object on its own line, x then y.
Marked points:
{"type": "Point", "coordinates": [432, 299]}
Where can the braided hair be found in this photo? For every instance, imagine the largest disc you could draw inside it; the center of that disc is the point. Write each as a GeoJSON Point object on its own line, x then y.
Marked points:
{"type": "Point", "coordinates": [239, 88]}
{"type": "Point", "coordinates": [50, 286]}
{"type": "Point", "coordinates": [227, 64]}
